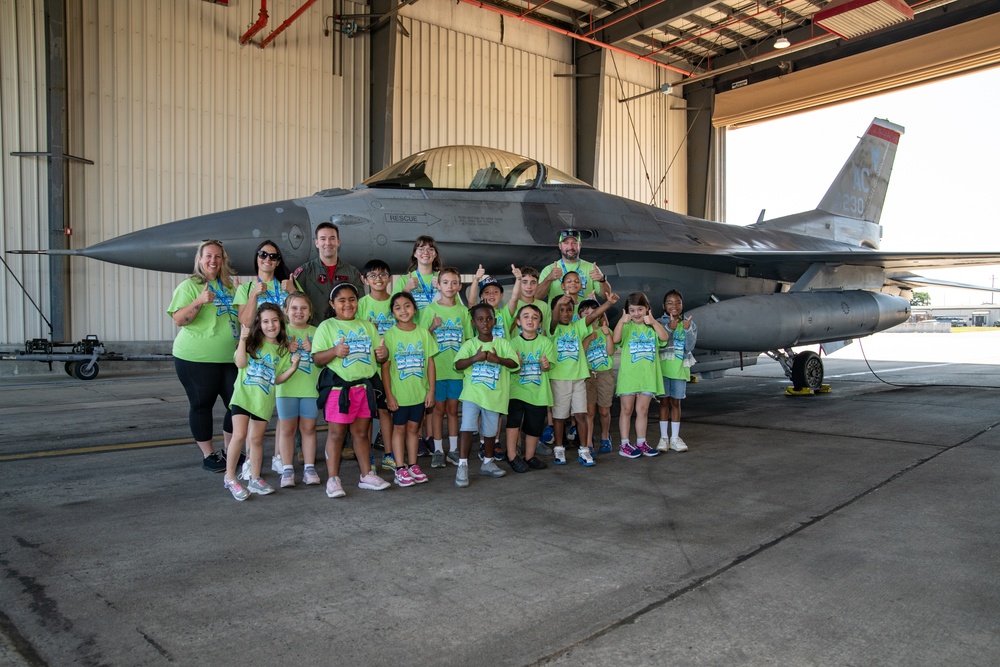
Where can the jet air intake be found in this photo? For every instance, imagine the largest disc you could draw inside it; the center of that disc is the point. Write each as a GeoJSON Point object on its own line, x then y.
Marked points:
{"type": "Point", "coordinates": [777, 321]}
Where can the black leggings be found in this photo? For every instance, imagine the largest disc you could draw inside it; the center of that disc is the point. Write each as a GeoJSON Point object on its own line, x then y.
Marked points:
{"type": "Point", "coordinates": [203, 383]}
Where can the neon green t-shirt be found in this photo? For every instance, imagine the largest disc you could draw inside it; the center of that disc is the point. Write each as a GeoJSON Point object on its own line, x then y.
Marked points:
{"type": "Point", "coordinates": [582, 269]}
{"type": "Point", "coordinates": [409, 352]}
{"type": "Point", "coordinates": [376, 312]}
{"type": "Point", "coordinates": [638, 367]}
{"type": "Point", "coordinates": [255, 390]}
{"type": "Point", "coordinates": [672, 355]}
{"type": "Point", "coordinates": [361, 337]}
{"type": "Point", "coordinates": [484, 383]}
{"type": "Point", "coordinates": [273, 293]}
{"type": "Point", "coordinates": [302, 384]}
{"type": "Point", "coordinates": [424, 294]}
{"type": "Point", "coordinates": [455, 329]}
{"type": "Point", "coordinates": [529, 383]}
{"type": "Point", "coordinates": [597, 353]}
{"type": "Point", "coordinates": [212, 336]}
{"type": "Point", "coordinates": [571, 360]}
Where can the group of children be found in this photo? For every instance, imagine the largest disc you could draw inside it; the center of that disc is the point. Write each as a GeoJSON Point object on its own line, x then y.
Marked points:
{"type": "Point", "coordinates": [413, 355]}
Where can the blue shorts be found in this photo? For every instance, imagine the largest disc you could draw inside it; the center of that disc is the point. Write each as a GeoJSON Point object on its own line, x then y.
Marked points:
{"type": "Point", "coordinates": [292, 408]}
{"type": "Point", "coordinates": [408, 413]}
{"type": "Point", "coordinates": [447, 390]}
{"type": "Point", "coordinates": [675, 388]}
{"type": "Point", "coordinates": [471, 414]}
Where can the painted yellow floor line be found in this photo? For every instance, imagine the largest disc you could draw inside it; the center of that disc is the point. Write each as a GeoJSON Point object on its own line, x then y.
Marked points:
{"type": "Point", "coordinates": [22, 456]}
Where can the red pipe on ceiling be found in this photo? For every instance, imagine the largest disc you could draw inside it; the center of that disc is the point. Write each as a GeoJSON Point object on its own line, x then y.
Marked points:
{"type": "Point", "coordinates": [258, 26]}
{"type": "Point", "coordinates": [288, 22]}
{"type": "Point", "coordinates": [567, 33]}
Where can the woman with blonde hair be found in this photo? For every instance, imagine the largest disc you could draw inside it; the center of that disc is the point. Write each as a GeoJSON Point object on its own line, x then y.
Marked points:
{"type": "Point", "coordinates": [208, 331]}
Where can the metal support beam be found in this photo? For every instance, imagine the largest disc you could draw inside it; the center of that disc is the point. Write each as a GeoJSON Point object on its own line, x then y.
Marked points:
{"type": "Point", "coordinates": [383, 64]}
{"type": "Point", "coordinates": [55, 65]}
{"type": "Point", "coordinates": [699, 148]}
{"type": "Point", "coordinates": [588, 89]}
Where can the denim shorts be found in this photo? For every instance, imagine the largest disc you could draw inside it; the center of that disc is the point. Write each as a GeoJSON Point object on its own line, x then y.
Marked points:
{"type": "Point", "coordinates": [292, 408]}
{"type": "Point", "coordinates": [675, 388]}
{"type": "Point", "coordinates": [470, 420]}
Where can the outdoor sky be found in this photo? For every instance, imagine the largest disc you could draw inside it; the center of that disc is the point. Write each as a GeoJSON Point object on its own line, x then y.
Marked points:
{"type": "Point", "coordinates": [943, 192]}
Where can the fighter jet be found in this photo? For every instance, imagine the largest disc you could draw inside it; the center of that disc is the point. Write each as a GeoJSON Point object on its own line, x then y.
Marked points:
{"type": "Point", "coordinates": [812, 277]}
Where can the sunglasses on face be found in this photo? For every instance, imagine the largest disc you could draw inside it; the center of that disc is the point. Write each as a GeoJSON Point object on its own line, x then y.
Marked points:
{"type": "Point", "coordinates": [273, 256]}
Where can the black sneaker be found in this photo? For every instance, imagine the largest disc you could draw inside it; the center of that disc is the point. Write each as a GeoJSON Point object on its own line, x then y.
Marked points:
{"type": "Point", "coordinates": [518, 464]}
{"type": "Point", "coordinates": [214, 463]}
{"type": "Point", "coordinates": [536, 463]}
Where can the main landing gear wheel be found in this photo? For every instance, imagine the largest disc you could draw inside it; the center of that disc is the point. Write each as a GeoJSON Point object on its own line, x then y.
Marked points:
{"type": "Point", "coordinates": [807, 371]}
{"type": "Point", "coordinates": [83, 373]}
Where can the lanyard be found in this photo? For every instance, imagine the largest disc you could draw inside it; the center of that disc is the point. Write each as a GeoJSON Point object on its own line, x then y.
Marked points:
{"type": "Point", "coordinates": [424, 287]}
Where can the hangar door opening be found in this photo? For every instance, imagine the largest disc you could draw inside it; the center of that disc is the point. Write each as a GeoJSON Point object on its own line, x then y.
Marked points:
{"type": "Point", "coordinates": [961, 49]}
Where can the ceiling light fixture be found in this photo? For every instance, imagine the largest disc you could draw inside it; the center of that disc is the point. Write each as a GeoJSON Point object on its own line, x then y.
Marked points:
{"type": "Point", "coordinates": [782, 43]}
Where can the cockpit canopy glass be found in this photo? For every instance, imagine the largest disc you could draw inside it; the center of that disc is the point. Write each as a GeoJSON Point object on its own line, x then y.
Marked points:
{"type": "Point", "coordinates": [470, 168]}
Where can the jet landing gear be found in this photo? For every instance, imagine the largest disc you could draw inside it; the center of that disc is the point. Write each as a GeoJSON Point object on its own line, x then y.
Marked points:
{"type": "Point", "coordinates": [804, 369]}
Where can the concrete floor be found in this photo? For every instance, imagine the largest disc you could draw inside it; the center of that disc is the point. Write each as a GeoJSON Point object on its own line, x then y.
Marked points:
{"type": "Point", "coordinates": [854, 528]}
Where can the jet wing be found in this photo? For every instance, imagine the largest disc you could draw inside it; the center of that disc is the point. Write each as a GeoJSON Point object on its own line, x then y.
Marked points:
{"type": "Point", "coordinates": [911, 280]}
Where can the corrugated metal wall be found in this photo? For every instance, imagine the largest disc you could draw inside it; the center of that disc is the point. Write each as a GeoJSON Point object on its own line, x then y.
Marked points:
{"type": "Point", "coordinates": [457, 88]}
{"type": "Point", "coordinates": [23, 180]}
{"type": "Point", "coordinates": [181, 120]}
{"type": "Point", "coordinates": [642, 150]}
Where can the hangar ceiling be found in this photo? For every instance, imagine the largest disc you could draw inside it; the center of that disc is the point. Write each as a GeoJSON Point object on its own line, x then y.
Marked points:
{"type": "Point", "coordinates": [730, 40]}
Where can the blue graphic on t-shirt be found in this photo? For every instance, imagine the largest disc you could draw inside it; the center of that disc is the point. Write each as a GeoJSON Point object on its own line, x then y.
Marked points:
{"type": "Point", "coordinates": [498, 330]}
{"type": "Point", "coordinates": [360, 348]}
{"type": "Point", "coordinates": [260, 373]}
{"type": "Point", "coordinates": [305, 358]}
{"type": "Point", "coordinates": [568, 346]}
{"type": "Point", "coordinates": [597, 353]}
{"type": "Point", "coordinates": [382, 321]}
{"type": "Point", "coordinates": [276, 296]}
{"type": "Point", "coordinates": [531, 368]}
{"type": "Point", "coordinates": [642, 346]}
{"type": "Point", "coordinates": [449, 334]}
{"type": "Point", "coordinates": [486, 373]}
{"type": "Point", "coordinates": [223, 301]}
{"type": "Point", "coordinates": [410, 360]}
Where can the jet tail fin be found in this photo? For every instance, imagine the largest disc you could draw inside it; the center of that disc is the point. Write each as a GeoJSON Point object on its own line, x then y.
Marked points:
{"type": "Point", "coordinates": [851, 208]}
{"type": "Point", "coordinates": [859, 190]}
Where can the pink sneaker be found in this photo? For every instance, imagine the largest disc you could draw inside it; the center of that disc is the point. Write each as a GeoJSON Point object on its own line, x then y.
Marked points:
{"type": "Point", "coordinates": [403, 477]}
{"type": "Point", "coordinates": [334, 489]}
{"type": "Point", "coordinates": [417, 474]}
{"type": "Point", "coordinates": [628, 451]}
{"type": "Point", "coordinates": [234, 487]}
{"type": "Point", "coordinates": [310, 476]}
{"type": "Point", "coordinates": [645, 449]}
{"type": "Point", "coordinates": [373, 482]}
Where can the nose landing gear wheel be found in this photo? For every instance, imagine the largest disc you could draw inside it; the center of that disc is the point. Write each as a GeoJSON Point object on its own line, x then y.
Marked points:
{"type": "Point", "coordinates": [83, 373]}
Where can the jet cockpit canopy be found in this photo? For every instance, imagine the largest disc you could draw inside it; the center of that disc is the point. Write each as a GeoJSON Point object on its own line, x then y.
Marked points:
{"type": "Point", "coordinates": [470, 168]}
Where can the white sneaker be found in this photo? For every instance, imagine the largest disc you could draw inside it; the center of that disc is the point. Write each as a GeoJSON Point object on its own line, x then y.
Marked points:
{"type": "Point", "coordinates": [246, 472]}
{"type": "Point", "coordinates": [373, 482]}
{"type": "Point", "coordinates": [559, 455]}
{"type": "Point", "coordinates": [677, 445]}
{"type": "Point", "coordinates": [585, 457]}
{"type": "Point", "coordinates": [276, 465]}
{"type": "Point", "coordinates": [663, 445]}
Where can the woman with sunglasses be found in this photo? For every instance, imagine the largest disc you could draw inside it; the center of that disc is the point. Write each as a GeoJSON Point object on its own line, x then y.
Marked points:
{"type": "Point", "coordinates": [272, 284]}
{"type": "Point", "coordinates": [208, 330]}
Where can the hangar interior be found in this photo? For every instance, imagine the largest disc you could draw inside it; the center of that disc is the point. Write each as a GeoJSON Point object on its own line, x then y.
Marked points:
{"type": "Point", "coordinates": [116, 116]}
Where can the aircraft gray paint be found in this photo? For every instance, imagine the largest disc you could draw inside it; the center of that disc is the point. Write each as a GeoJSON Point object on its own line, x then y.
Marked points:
{"type": "Point", "coordinates": [812, 277]}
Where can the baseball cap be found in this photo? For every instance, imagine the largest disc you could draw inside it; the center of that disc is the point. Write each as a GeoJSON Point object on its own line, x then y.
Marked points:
{"type": "Point", "coordinates": [487, 281]}
{"type": "Point", "coordinates": [569, 234]}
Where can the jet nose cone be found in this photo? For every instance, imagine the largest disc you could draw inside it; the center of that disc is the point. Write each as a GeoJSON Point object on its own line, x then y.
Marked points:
{"type": "Point", "coordinates": [171, 247]}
